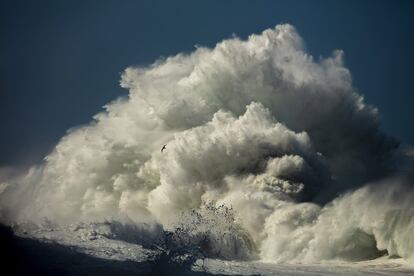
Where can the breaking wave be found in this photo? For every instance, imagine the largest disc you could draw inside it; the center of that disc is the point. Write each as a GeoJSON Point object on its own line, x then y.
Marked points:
{"type": "Point", "coordinates": [268, 155]}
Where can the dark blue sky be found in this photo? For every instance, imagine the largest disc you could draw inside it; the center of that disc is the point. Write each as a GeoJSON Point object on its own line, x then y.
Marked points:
{"type": "Point", "coordinates": [61, 60]}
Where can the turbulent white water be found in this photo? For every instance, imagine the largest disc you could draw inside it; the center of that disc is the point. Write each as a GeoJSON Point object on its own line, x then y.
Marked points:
{"type": "Point", "coordinates": [269, 153]}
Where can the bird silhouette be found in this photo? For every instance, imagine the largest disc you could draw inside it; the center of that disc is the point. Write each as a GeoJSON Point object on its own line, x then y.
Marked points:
{"type": "Point", "coordinates": [163, 148]}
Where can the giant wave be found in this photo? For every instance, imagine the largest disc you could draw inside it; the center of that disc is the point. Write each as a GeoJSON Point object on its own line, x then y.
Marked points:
{"type": "Point", "coordinates": [271, 155]}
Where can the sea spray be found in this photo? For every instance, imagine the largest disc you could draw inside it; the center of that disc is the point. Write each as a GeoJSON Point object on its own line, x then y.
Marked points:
{"type": "Point", "coordinates": [255, 126]}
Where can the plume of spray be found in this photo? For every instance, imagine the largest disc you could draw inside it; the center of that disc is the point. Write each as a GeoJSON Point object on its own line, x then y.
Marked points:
{"type": "Point", "coordinates": [256, 125]}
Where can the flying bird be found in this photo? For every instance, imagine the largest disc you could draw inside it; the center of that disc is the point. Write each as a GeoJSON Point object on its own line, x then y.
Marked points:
{"type": "Point", "coordinates": [163, 148]}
